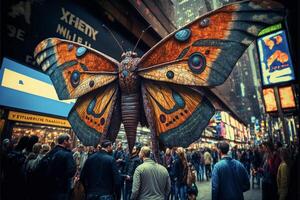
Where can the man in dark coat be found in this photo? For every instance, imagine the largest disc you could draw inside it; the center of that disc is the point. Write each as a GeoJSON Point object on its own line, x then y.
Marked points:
{"type": "Point", "coordinates": [62, 168]}
{"type": "Point", "coordinates": [100, 176]}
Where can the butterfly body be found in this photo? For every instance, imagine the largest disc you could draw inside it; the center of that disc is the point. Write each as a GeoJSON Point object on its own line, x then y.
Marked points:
{"type": "Point", "coordinates": [158, 89]}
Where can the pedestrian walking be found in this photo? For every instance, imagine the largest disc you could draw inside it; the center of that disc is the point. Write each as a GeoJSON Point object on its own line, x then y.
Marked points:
{"type": "Point", "coordinates": [100, 176]}
{"type": "Point", "coordinates": [150, 180]}
{"type": "Point", "coordinates": [229, 177]}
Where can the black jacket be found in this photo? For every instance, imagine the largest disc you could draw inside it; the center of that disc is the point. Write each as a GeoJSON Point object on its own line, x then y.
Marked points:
{"type": "Point", "coordinates": [131, 164]}
{"type": "Point", "coordinates": [62, 169]}
{"type": "Point", "coordinates": [100, 175]}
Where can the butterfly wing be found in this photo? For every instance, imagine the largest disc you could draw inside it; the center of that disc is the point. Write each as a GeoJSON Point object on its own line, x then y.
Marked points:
{"type": "Point", "coordinates": [177, 115]}
{"type": "Point", "coordinates": [92, 114]}
{"type": "Point", "coordinates": [73, 68]}
{"type": "Point", "coordinates": [204, 52]}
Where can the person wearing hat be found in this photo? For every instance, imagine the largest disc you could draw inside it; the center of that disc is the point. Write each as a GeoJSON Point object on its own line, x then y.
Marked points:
{"type": "Point", "coordinates": [100, 176]}
{"type": "Point", "coordinates": [132, 162]}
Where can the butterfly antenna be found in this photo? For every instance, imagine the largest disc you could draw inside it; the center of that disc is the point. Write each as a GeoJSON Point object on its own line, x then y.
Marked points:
{"type": "Point", "coordinates": [113, 37]}
{"type": "Point", "coordinates": [141, 37]}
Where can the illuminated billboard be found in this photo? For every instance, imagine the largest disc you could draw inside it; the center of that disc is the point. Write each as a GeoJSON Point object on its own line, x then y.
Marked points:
{"type": "Point", "coordinates": [286, 95]}
{"type": "Point", "coordinates": [27, 89]}
{"type": "Point", "coordinates": [270, 101]}
{"type": "Point", "coordinates": [275, 60]}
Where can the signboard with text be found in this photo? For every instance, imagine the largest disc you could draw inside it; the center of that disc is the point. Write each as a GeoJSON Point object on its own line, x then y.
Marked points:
{"type": "Point", "coordinates": [275, 60]}
{"type": "Point", "coordinates": [29, 22]}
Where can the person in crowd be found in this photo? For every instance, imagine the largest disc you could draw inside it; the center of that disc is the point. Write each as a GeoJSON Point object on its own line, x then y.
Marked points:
{"type": "Point", "coordinates": [192, 190]}
{"type": "Point", "coordinates": [256, 166]}
{"type": "Point", "coordinates": [234, 153]}
{"type": "Point", "coordinates": [195, 160]}
{"type": "Point", "coordinates": [181, 172]}
{"type": "Point", "coordinates": [29, 170]}
{"type": "Point", "coordinates": [80, 157]}
{"type": "Point", "coordinates": [14, 178]}
{"type": "Point", "coordinates": [132, 162]}
{"type": "Point", "coordinates": [151, 180]}
{"type": "Point", "coordinates": [283, 174]}
{"type": "Point", "coordinates": [215, 156]}
{"type": "Point", "coordinates": [32, 140]}
{"type": "Point", "coordinates": [229, 177]}
{"type": "Point", "coordinates": [172, 172]}
{"type": "Point", "coordinates": [200, 176]}
{"type": "Point", "coordinates": [207, 162]}
{"type": "Point", "coordinates": [119, 156]}
{"type": "Point", "coordinates": [270, 167]}
{"type": "Point", "coordinates": [100, 176]}
{"type": "Point", "coordinates": [61, 169]}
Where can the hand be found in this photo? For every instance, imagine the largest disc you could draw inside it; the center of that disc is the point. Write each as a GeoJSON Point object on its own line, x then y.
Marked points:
{"type": "Point", "coordinates": [127, 177]}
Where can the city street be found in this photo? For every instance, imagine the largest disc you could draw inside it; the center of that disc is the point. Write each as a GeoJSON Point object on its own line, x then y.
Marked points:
{"type": "Point", "coordinates": [204, 192]}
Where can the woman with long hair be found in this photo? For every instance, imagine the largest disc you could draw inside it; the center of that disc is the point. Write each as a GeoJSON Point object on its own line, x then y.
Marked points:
{"type": "Point", "coordinates": [181, 172]}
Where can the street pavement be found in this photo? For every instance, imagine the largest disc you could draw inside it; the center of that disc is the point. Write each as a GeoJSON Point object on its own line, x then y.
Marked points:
{"type": "Point", "coordinates": [204, 192]}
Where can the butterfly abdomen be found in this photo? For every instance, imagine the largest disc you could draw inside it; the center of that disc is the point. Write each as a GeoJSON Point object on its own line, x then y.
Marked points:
{"type": "Point", "coordinates": [130, 116]}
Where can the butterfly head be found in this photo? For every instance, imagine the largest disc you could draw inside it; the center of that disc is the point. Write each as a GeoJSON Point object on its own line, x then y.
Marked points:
{"type": "Point", "coordinates": [129, 54]}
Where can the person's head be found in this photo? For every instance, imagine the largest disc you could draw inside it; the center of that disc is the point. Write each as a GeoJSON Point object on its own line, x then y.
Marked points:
{"type": "Point", "coordinates": [22, 144]}
{"type": "Point", "coordinates": [64, 140]}
{"type": "Point", "coordinates": [45, 148]}
{"type": "Point", "coordinates": [106, 145]}
{"type": "Point", "coordinates": [6, 144]}
{"type": "Point", "coordinates": [168, 151]}
{"type": "Point", "coordinates": [182, 156]}
{"type": "Point", "coordinates": [37, 148]}
{"type": "Point", "coordinates": [136, 149]}
{"type": "Point", "coordinates": [268, 147]}
{"type": "Point", "coordinates": [223, 147]}
{"type": "Point", "coordinates": [32, 140]}
{"type": "Point", "coordinates": [119, 145]}
{"type": "Point", "coordinates": [145, 152]}
{"type": "Point", "coordinates": [284, 154]}
{"type": "Point", "coordinates": [80, 148]}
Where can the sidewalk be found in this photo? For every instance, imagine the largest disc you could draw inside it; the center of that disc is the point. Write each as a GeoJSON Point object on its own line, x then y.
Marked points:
{"type": "Point", "coordinates": [204, 189]}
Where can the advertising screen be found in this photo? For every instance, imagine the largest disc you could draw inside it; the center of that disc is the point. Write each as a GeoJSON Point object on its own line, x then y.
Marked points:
{"type": "Point", "coordinates": [27, 89]}
{"type": "Point", "coordinates": [287, 99]}
{"type": "Point", "coordinates": [275, 61]}
{"type": "Point", "coordinates": [270, 101]}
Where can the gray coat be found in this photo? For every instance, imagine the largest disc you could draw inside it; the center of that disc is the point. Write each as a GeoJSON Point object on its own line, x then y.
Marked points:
{"type": "Point", "coordinates": [150, 181]}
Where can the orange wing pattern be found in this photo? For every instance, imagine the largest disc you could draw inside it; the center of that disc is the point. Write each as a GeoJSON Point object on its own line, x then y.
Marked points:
{"type": "Point", "coordinates": [204, 52]}
{"type": "Point", "coordinates": [91, 116]}
{"type": "Point", "coordinates": [177, 115]}
{"type": "Point", "coordinates": [73, 68]}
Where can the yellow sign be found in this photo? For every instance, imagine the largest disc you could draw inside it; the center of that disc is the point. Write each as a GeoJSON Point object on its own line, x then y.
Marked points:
{"type": "Point", "coordinates": [38, 119]}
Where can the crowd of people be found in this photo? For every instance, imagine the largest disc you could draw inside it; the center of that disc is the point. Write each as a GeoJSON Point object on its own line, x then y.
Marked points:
{"type": "Point", "coordinates": [31, 170]}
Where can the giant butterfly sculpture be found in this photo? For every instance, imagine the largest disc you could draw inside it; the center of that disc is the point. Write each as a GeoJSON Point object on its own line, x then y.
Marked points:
{"type": "Point", "coordinates": [159, 89]}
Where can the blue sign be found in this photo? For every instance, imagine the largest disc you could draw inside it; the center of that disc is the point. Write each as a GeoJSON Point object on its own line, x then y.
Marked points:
{"type": "Point", "coordinates": [275, 60]}
{"type": "Point", "coordinates": [27, 89]}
